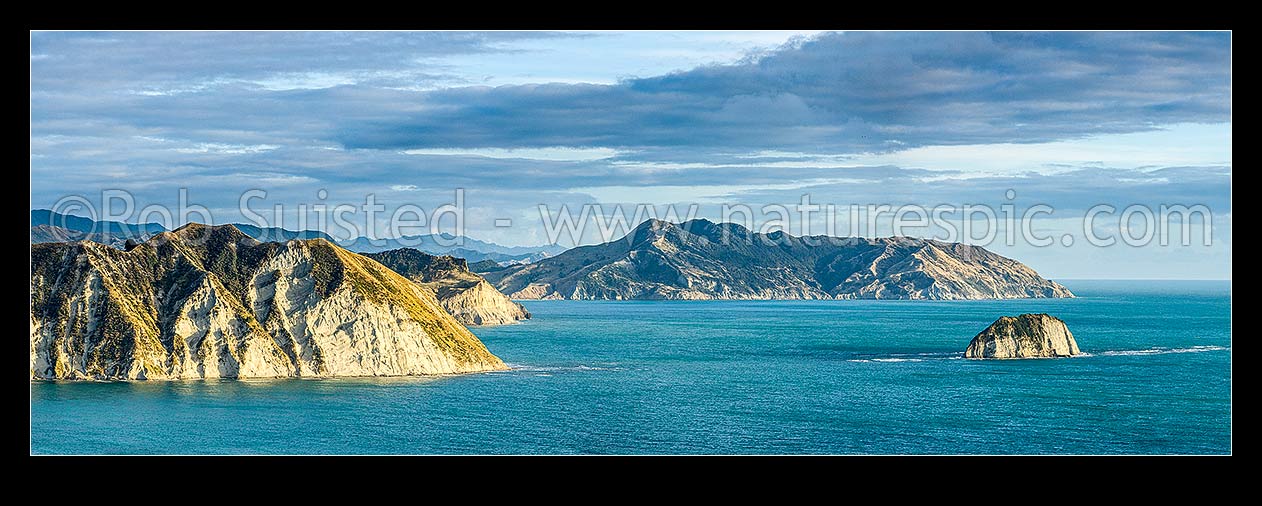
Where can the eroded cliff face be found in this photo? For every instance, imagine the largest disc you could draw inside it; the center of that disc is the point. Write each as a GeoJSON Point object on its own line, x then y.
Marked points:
{"type": "Point", "coordinates": [481, 304]}
{"type": "Point", "coordinates": [1025, 336]}
{"type": "Point", "coordinates": [210, 302]}
{"type": "Point", "coordinates": [704, 260]}
{"type": "Point", "coordinates": [465, 295]}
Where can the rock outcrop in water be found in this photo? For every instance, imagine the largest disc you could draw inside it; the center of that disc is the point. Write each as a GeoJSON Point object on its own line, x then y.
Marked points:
{"type": "Point", "coordinates": [1026, 336]}
{"type": "Point", "coordinates": [462, 293]}
{"type": "Point", "coordinates": [700, 259]}
{"type": "Point", "coordinates": [210, 302]}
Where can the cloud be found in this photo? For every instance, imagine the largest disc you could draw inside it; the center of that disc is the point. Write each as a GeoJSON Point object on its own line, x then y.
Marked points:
{"type": "Point", "coordinates": [1073, 190]}
{"type": "Point", "coordinates": [555, 153]}
{"type": "Point", "coordinates": [849, 92]}
{"type": "Point", "coordinates": [190, 61]}
{"type": "Point", "coordinates": [214, 147]}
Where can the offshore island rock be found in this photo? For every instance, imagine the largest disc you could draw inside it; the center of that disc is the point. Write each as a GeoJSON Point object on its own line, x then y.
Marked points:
{"type": "Point", "coordinates": [1026, 336]}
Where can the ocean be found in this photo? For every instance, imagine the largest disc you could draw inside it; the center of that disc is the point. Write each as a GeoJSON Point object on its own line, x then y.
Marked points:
{"type": "Point", "coordinates": [725, 377]}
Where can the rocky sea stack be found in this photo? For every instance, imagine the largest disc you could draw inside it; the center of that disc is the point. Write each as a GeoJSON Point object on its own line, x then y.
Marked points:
{"type": "Point", "coordinates": [1026, 336]}
{"type": "Point", "coordinates": [212, 302]}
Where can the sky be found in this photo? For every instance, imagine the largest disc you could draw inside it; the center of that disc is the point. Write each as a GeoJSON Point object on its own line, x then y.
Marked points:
{"type": "Point", "coordinates": [512, 121]}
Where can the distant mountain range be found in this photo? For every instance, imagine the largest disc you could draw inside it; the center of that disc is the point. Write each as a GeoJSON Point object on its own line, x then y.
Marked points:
{"type": "Point", "coordinates": [48, 226]}
{"type": "Point", "coordinates": [88, 226]}
{"type": "Point", "coordinates": [274, 234]}
{"type": "Point", "coordinates": [699, 259]}
{"type": "Point", "coordinates": [469, 249]}
{"type": "Point", "coordinates": [47, 233]}
{"type": "Point", "coordinates": [499, 258]}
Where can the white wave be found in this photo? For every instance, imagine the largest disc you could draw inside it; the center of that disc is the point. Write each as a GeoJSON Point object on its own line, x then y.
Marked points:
{"type": "Point", "coordinates": [546, 369]}
{"type": "Point", "coordinates": [886, 360]}
{"type": "Point", "coordinates": [933, 355]}
{"type": "Point", "coordinates": [1156, 351]}
{"type": "Point", "coordinates": [912, 357]}
{"type": "Point", "coordinates": [941, 354]}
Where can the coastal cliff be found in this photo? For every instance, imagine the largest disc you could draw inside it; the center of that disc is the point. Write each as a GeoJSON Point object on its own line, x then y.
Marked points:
{"type": "Point", "coordinates": [699, 259]}
{"type": "Point", "coordinates": [211, 302]}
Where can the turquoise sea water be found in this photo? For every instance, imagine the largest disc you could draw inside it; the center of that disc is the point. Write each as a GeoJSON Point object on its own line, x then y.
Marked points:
{"type": "Point", "coordinates": [799, 377]}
